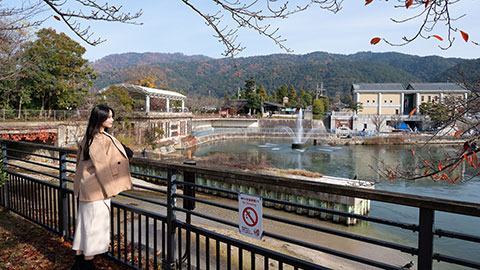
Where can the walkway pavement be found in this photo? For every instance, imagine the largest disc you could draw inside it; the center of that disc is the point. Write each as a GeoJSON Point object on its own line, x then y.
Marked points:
{"type": "Point", "coordinates": [25, 245]}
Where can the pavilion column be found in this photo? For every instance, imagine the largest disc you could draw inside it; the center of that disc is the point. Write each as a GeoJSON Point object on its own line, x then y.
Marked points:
{"type": "Point", "coordinates": [183, 105]}
{"type": "Point", "coordinates": [402, 100]}
{"type": "Point", "coordinates": [147, 103]}
{"type": "Point", "coordinates": [441, 98]}
{"type": "Point", "coordinates": [168, 105]}
{"type": "Point", "coordinates": [379, 108]}
{"type": "Point", "coordinates": [417, 102]}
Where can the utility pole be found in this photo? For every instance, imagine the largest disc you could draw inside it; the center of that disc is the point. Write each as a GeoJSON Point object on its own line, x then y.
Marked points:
{"type": "Point", "coordinates": [320, 91]}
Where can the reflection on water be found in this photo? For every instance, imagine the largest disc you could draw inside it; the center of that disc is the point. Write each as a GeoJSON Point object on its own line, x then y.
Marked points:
{"type": "Point", "coordinates": [363, 161]}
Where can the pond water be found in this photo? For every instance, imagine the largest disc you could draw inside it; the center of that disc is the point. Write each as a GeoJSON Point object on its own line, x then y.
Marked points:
{"type": "Point", "coordinates": [363, 161]}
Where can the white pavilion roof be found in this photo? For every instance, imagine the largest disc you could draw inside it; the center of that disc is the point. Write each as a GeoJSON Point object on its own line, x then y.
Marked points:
{"type": "Point", "coordinates": [141, 91]}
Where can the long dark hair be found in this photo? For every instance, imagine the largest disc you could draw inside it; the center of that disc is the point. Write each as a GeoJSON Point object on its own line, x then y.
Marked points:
{"type": "Point", "coordinates": [98, 115]}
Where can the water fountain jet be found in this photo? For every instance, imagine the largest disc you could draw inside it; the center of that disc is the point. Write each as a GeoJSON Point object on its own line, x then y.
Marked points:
{"type": "Point", "coordinates": [298, 137]}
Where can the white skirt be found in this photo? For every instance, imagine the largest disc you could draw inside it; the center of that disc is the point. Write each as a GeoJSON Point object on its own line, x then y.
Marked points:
{"type": "Point", "coordinates": [92, 230]}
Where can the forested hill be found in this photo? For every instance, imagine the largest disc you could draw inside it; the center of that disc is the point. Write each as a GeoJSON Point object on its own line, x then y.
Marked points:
{"type": "Point", "coordinates": [203, 75]}
{"type": "Point", "coordinates": [115, 61]}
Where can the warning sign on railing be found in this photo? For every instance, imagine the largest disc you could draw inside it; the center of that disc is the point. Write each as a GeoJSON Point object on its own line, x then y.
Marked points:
{"type": "Point", "coordinates": [250, 216]}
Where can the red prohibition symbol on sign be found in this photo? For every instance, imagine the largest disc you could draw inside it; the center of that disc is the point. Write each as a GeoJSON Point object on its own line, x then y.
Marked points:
{"type": "Point", "coordinates": [250, 216]}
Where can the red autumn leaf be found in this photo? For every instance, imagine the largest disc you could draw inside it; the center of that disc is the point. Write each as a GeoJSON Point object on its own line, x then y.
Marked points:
{"type": "Point", "coordinates": [408, 3]}
{"type": "Point", "coordinates": [440, 166]}
{"type": "Point", "coordinates": [475, 155]}
{"type": "Point", "coordinates": [437, 37]}
{"type": "Point", "coordinates": [412, 112]}
{"type": "Point", "coordinates": [464, 35]}
{"type": "Point", "coordinates": [426, 172]}
{"type": "Point", "coordinates": [426, 161]}
{"type": "Point", "coordinates": [368, 2]}
{"type": "Point", "coordinates": [393, 176]}
{"type": "Point", "coordinates": [445, 176]}
{"type": "Point", "coordinates": [114, 8]}
{"type": "Point", "coordinates": [465, 156]}
{"type": "Point", "coordinates": [458, 133]}
{"type": "Point", "coordinates": [426, 3]}
{"type": "Point", "coordinates": [413, 153]}
{"type": "Point", "coordinates": [375, 40]}
{"type": "Point", "coordinates": [56, 18]}
{"type": "Point", "coordinates": [456, 178]}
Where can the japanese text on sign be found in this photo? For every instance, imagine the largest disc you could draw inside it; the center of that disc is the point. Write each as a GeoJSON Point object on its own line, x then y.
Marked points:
{"type": "Point", "coordinates": [250, 211]}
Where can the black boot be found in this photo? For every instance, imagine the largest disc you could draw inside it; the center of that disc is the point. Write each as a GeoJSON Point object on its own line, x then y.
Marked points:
{"type": "Point", "coordinates": [89, 265]}
{"type": "Point", "coordinates": [78, 264]}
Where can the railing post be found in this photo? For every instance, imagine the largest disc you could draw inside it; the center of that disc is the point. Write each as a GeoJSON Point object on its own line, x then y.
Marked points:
{"type": "Point", "coordinates": [169, 261]}
{"type": "Point", "coordinates": [6, 203]}
{"type": "Point", "coordinates": [425, 239]}
{"type": "Point", "coordinates": [62, 195]}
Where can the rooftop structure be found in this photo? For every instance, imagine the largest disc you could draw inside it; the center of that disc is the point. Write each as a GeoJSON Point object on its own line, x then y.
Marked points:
{"type": "Point", "coordinates": [138, 91]}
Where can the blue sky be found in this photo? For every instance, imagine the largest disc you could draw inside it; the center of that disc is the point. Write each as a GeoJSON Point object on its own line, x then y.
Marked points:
{"type": "Point", "coordinates": [170, 26]}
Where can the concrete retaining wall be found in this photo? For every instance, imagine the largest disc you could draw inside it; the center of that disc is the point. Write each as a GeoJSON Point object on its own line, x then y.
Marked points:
{"type": "Point", "coordinates": [300, 196]}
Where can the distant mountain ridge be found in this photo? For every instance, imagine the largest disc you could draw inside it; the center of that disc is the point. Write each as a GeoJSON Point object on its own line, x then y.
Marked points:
{"type": "Point", "coordinates": [203, 75]}
{"type": "Point", "coordinates": [115, 61]}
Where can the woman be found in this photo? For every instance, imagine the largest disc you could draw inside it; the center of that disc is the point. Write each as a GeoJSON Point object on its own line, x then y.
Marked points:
{"type": "Point", "coordinates": [102, 171]}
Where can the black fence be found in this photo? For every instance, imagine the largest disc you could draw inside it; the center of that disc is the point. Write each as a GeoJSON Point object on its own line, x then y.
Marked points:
{"type": "Point", "coordinates": [160, 226]}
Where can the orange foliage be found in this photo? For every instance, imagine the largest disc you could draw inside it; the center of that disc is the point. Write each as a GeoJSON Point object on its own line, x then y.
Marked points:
{"type": "Point", "coordinates": [464, 35]}
{"type": "Point", "coordinates": [375, 40]}
{"type": "Point", "coordinates": [408, 3]}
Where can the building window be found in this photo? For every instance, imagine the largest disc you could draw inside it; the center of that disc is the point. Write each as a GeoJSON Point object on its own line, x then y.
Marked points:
{"type": "Point", "coordinates": [364, 126]}
{"type": "Point", "coordinates": [436, 98]}
{"type": "Point", "coordinates": [390, 101]}
{"type": "Point", "coordinates": [396, 111]}
{"type": "Point", "coordinates": [368, 101]}
{"type": "Point", "coordinates": [385, 101]}
{"type": "Point", "coordinates": [423, 98]}
{"type": "Point", "coordinates": [373, 100]}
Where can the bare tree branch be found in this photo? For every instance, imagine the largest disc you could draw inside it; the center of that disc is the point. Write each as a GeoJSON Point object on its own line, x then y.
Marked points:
{"type": "Point", "coordinates": [90, 11]}
{"type": "Point", "coordinates": [431, 13]}
{"type": "Point", "coordinates": [251, 15]}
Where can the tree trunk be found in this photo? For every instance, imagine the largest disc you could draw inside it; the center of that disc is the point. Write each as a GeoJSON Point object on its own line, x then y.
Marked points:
{"type": "Point", "coordinates": [20, 107]}
{"type": "Point", "coordinates": [43, 106]}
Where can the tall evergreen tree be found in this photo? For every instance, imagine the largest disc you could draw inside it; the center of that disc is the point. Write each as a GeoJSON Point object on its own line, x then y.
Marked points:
{"type": "Point", "coordinates": [226, 98]}
{"type": "Point", "coordinates": [59, 76]}
{"type": "Point", "coordinates": [307, 99]}
{"type": "Point", "coordinates": [292, 97]}
{"type": "Point", "coordinates": [318, 107]}
{"type": "Point", "coordinates": [282, 92]}
{"type": "Point", "coordinates": [301, 99]}
{"type": "Point", "coordinates": [325, 102]}
{"type": "Point", "coordinates": [250, 86]}
{"type": "Point", "coordinates": [254, 100]}
{"type": "Point", "coordinates": [263, 93]}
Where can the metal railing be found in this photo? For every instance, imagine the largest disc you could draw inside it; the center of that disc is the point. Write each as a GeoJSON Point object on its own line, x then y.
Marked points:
{"type": "Point", "coordinates": [64, 115]}
{"type": "Point", "coordinates": [153, 230]}
{"type": "Point", "coordinates": [43, 115]}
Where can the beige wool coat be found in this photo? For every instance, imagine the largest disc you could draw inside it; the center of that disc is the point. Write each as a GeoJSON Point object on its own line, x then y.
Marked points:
{"type": "Point", "coordinates": [106, 173]}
